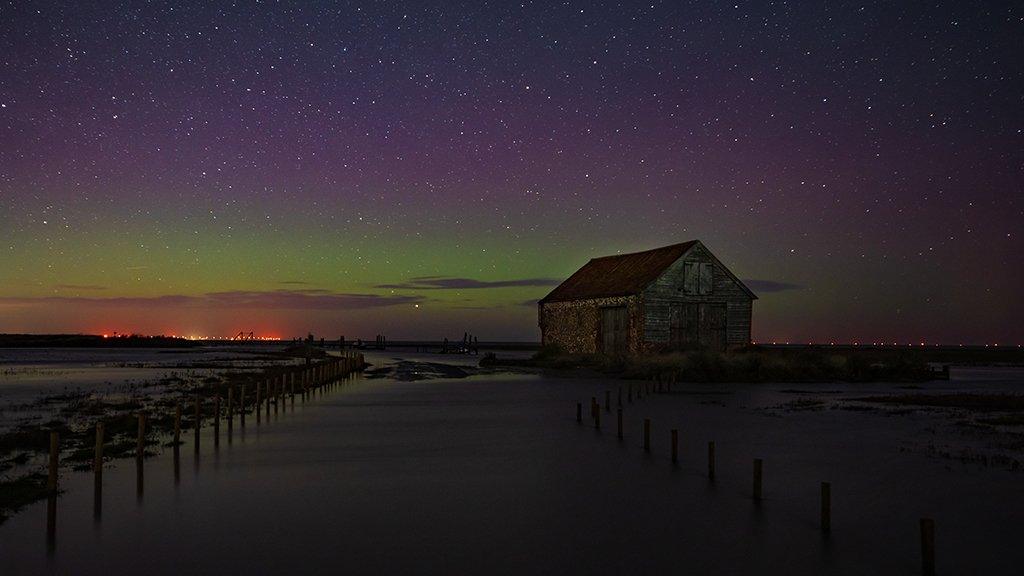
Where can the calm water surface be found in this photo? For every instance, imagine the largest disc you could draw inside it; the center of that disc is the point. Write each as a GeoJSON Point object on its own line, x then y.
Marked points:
{"type": "Point", "coordinates": [492, 474]}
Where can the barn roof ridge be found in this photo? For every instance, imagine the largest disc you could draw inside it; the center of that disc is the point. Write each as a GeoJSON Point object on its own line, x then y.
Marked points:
{"type": "Point", "coordinates": [688, 244]}
{"type": "Point", "coordinates": [618, 274]}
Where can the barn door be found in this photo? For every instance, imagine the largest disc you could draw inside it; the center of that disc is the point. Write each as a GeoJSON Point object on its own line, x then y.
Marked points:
{"type": "Point", "coordinates": [712, 326]}
{"type": "Point", "coordinates": [682, 326]}
{"type": "Point", "coordinates": [614, 330]}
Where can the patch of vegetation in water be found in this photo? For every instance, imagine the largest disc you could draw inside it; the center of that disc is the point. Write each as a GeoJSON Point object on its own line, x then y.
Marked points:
{"type": "Point", "coordinates": [744, 365]}
{"type": "Point", "coordinates": [19, 492]}
{"type": "Point", "coordinates": [1012, 402]}
{"type": "Point", "coordinates": [1004, 420]}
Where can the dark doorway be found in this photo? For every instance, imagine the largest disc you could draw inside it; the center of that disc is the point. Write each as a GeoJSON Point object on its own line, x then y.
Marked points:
{"type": "Point", "coordinates": [614, 330]}
{"type": "Point", "coordinates": [697, 324]}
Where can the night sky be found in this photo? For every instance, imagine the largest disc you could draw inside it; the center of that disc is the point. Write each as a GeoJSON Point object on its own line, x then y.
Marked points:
{"type": "Point", "coordinates": [424, 168]}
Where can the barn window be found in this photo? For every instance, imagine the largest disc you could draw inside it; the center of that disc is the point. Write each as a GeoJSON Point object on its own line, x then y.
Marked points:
{"type": "Point", "coordinates": [706, 279]}
{"type": "Point", "coordinates": [697, 278]}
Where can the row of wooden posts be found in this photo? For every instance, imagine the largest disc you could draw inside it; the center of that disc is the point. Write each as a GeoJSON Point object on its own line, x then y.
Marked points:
{"type": "Point", "coordinates": [927, 525]}
{"type": "Point", "coordinates": [274, 391]}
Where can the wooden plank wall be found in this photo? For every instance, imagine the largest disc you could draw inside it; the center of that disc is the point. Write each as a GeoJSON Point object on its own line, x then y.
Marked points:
{"type": "Point", "coordinates": [667, 290]}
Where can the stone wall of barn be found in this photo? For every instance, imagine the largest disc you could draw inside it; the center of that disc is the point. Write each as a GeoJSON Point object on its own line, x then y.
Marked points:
{"type": "Point", "coordinates": [667, 290]}
{"type": "Point", "coordinates": [575, 326]}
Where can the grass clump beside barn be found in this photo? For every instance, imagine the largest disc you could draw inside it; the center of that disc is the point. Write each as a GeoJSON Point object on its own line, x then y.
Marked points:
{"type": "Point", "coordinates": [750, 364]}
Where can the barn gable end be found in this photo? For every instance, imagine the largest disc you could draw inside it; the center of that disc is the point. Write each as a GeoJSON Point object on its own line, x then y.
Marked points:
{"type": "Point", "coordinates": [669, 289]}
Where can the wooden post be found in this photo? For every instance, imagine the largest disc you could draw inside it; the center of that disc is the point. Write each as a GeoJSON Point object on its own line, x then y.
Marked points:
{"type": "Point", "coordinates": [620, 396]}
{"type": "Point", "coordinates": [216, 420]}
{"type": "Point", "coordinates": [177, 424]}
{"type": "Point", "coordinates": [241, 406]}
{"type": "Point", "coordinates": [97, 470]}
{"type": "Point", "coordinates": [140, 454]}
{"type": "Point", "coordinates": [675, 446]}
{"type": "Point", "coordinates": [927, 547]}
{"type": "Point", "coordinates": [620, 424]}
{"type": "Point", "coordinates": [758, 468]}
{"type": "Point", "coordinates": [140, 442]}
{"type": "Point", "coordinates": [51, 487]}
{"type": "Point", "coordinates": [97, 456]}
{"type": "Point", "coordinates": [711, 460]}
{"type": "Point", "coordinates": [579, 412]}
{"type": "Point", "coordinates": [593, 407]}
{"type": "Point", "coordinates": [51, 481]}
{"type": "Point", "coordinates": [607, 400]}
{"type": "Point", "coordinates": [199, 422]}
{"type": "Point", "coordinates": [276, 387]}
{"type": "Point", "coordinates": [826, 507]}
{"type": "Point", "coordinates": [269, 395]}
{"type": "Point", "coordinates": [259, 409]}
{"type": "Point", "coordinates": [647, 435]}
{"type": "Point", "coordinates": [229, 415]}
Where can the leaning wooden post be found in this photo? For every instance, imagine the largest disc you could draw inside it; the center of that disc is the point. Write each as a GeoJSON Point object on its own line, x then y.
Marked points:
{"type": "Point", "coordinates": [711, 460]}
{"type": "Point", "coordinates": [51, 481]}
{"type": "Point", "coordinates": [675, 446]}
{"type": "Point", "coordinates": [927, 547]}
{"type": "Point", "coordinates": [647, 435]}
{"type": "Point", "coordinates": [826, 507]}
{"type": "Point", "coordinates": [579, 412]}
{"type": "Point", "coordinates": [758, 469]}
{"type": "Point", "coordinates": [620, 424]}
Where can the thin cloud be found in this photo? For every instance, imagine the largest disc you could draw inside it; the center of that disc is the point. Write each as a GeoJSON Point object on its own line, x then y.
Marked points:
{"type": "Point", "coordinates": [770, 286]}
{"type": "Point", "coordinates": [449, 283]}
{"type": "Point", "coordinates": [80, 287]}
{"type": "Point", "coordinates": [268, 300]}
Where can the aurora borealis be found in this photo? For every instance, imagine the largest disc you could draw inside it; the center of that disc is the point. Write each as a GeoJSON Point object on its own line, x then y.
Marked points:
{"type": "Point", "coordinates": [421, 169]}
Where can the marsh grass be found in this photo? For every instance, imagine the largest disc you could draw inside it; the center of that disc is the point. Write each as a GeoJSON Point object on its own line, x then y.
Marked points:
{"type": "Point", "coordinates": [980, 402]}
{"type": "Point", "coordinates": [20, 492]}
{"type": "Point", "coordinates": [745, 365]}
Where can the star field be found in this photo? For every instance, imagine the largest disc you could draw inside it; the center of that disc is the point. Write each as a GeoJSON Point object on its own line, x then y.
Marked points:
{"type": "Point", "coordinates": [860, 162]}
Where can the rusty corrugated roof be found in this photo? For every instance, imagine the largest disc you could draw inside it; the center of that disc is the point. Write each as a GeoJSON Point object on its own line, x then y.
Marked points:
{"type": "Point", "coordinates": [619, 275]}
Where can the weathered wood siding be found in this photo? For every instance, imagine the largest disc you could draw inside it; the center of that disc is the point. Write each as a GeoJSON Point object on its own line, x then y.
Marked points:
{"type": "Point", "coordinates": [576, 326]}
{"type": "Point", "coordinates": [668, 289]}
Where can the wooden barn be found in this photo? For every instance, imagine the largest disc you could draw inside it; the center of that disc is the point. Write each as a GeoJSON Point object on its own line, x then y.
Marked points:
{"type": "Point", "coordinates": [672, 298]}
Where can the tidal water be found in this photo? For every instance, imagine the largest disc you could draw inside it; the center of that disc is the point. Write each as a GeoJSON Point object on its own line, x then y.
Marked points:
{"type": "Point", "coordinates": [491, 473]}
